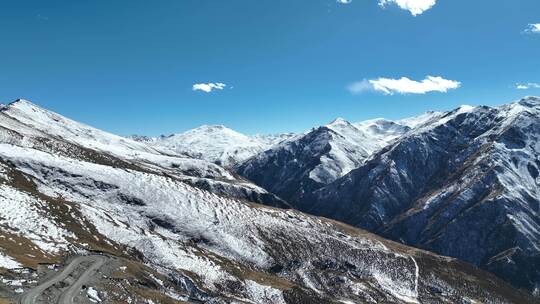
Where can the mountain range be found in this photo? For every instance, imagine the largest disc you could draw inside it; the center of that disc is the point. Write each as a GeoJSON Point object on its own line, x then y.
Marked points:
{"type": "Point", "coordinates": [214, 143]}
{"type": "Point", "coordinates": [215, 216]}
{"type": "Point", "coordinates": [463, 184]}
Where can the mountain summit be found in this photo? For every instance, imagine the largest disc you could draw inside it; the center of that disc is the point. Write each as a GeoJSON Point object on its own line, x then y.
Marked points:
{"type": "Point", "coordinates": [217, 144]}
{"type": "Point", "coordinates": [308, 162]}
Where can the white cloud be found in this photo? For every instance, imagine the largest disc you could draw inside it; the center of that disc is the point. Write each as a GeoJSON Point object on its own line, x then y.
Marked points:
{"type": "Point", "coordinates": [404, 85]}
{"type": "Point", "coordinates": [208, 87]}
{"type": "Point", "coordinates": [344, 1]}
{"type": "Point", "coordinates": [533, 28]}
{"type": "Point", "coordinates": [526, 86]}
{"type": "Point", "coordinates": [416, 7]}
{"type": "Point", "coordinates": [360, 87]}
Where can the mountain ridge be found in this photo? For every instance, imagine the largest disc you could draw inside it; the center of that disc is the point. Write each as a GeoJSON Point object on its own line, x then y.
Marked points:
{"type": "Point", "coordinates": [321, 155]}
{"type": "Point", "coordinates": [222, 248]}
{"type": "Point", "coordinates": [446, 173]}
{"type": "Point", "coordinates": [215, 143]}
{"type": "Point", "coordinates": [155, 223]}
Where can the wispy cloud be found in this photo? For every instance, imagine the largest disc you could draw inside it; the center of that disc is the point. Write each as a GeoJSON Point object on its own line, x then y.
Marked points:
{"type": "Point", "coordinates": [360, 87]}
{"type": "Point", "coordinates": [42, 17]}
{"type": "Point", "coordinates": [404, 85]}
{"type": "Point", "coordinates": [527, 86]}
{"type": "Point", "coordinates": [416, 7]}
{"type": "Point", "coordinates": [344, 1]}
{"type": "Point", "coordinates": [208, 87]}
{"type": "Point", "coordinates": [533, 28]}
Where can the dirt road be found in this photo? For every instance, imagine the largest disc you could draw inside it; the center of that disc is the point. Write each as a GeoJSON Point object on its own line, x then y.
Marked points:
{"type": "Point", "coordinates": [82, 269]}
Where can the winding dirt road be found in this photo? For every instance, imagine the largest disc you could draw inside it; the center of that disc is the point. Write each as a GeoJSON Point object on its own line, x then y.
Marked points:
{"type": "Point", "coordinates": [68, 294]}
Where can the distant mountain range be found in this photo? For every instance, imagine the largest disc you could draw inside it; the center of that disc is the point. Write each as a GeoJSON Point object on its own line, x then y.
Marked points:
{"type": "Point", "coordinates": [296, 168]}
{"type": "Point", "coordinates": [452, 183]}
{"type": "Point", "coordinates": [192, 217]}
{"type": "Point", "coordinates": [217, 144]}
{"type": "Point", "coordinates": [463, 183]}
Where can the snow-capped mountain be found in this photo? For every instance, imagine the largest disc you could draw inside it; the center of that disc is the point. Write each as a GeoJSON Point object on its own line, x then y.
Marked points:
{"type": "Point", "coordinates": [68, 189]}
{"type": "Point", "coordinates": [415, 121]}
{"type": "Point", "coordinates": [465, 184]}
{"type": "Point", "coordinates": [299, 166]}
{"type": "Point", "coordinates": [26, 124]}
{"type": "Point", "coordinates": [215, 143]}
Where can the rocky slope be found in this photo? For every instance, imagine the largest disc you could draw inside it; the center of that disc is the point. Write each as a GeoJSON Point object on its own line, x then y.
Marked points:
{"type": "Point", "coordinates": [464, 185]}
{"type": "Point", "coordinates": [301, 165]}
{"type": "Point", "coordinates": [66, 189]}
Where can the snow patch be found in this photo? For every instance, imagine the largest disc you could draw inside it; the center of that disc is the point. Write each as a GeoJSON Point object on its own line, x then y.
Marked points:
{"type": "Point", "coordinates": [93, 295]}
{"type": "Point", "coordinates": [8, 262]}
{"type": "Point", "coordinates": [23, 214]}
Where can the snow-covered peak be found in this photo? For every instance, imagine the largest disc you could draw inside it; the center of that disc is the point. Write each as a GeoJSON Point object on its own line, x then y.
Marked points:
{"type": "Point", "coordinates": [57, 125]}
{"type": "Point", "coordinates": [320, 156]}
{"type": "Point", "coordinates": [416, 121]}
{"type": "Point", "coordinates": [212, 127]}
{"type": "Point", "coordinates": [338, 121]}
{"type": "Point", "coordinates": [345, 129]}
{"type": "Point", "coordinates": [380, 132]}
{"type": "Point", "coordinates": [486, 161]}
{"type": "Point", "coordinates": [218, 144]}
{"type": "Point", "coordinates": [528, 103]}
{"type": "Point", "coordinates": [271, 140]}
{"type": "Point", "coordinates": [217, 132]}
{"type": "Point", "coordinates": [380, 126]}
{"type": "Point", "coordinates": [25, 106]}
{"type": "Point", "coordinates": [306, 162]}
{"type": "Point", "coordinates": [463, 109]}
{"type": "Point", "coordinates": [36, 125]}
{"type": "Point", "coordinates": [22, 101]}
{"type": "Point", "coordinates": [466, 108]}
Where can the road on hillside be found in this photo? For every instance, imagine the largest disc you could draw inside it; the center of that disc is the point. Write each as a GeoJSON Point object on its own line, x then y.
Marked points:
{"type": "Point", "coordinates": [67, 295]}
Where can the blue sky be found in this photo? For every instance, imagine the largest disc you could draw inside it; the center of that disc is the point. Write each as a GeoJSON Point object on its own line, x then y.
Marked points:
{"type": "Point", "coordinates": [130, 66]}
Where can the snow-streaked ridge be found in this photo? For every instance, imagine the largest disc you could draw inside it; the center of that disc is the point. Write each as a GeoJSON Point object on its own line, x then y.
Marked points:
{"type": "Point", "coordinates": [450, 184]}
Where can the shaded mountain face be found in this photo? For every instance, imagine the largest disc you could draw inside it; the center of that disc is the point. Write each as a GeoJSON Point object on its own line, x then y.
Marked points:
{"type": "Point", "coordinates": [465, 185]}
{"type": "Point", "coordinates": [217, 144]}
{"type": "Point", "coordinates": [303, 164]}
{"type": "Point", "coordinates": [69, 189]}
